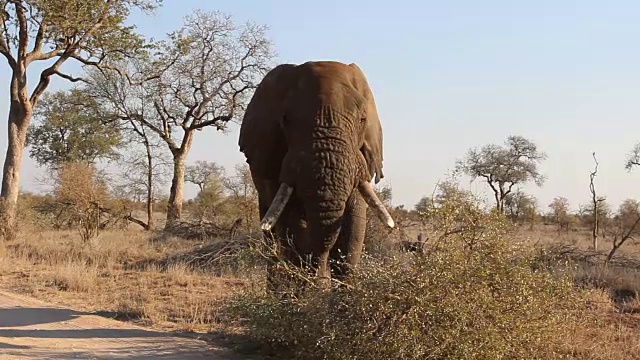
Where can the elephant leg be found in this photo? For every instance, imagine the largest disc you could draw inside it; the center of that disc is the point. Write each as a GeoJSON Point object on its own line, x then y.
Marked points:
{"type": "Point", "coordinates": [347, 251]}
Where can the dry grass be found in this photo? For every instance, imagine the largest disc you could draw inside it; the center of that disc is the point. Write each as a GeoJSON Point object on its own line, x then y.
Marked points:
{"type": "Point", "coordinates": [579, 237]}
{"type": "Point", "coordinates": [100, 276]}
{"type": "Point", "coordinates": [73, 276]}
{"type": "Point", "coordinates": [614, 336]}
{"type": "Point", "coordinates": [96, 276]}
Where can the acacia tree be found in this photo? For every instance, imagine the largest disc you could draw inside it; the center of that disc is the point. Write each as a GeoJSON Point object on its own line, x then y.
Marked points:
{"type": "Point", "coordinates": [559, 209]}
{"type": "Point", "coordinates": [202, 173]}
{"type": "Point", "coordinates": [70, 129]}
{"type": "Point", "coordinates": [503, 167]}
{"type": "Point", "coordinates": [520, 206]}
{"type": "Point", "coordinates": [211, 199]}
{"type": "Point", "coordinates": [88, 31]}
{"type": "Point", "coordinates": [209, 177]}
{"type": "Point", "coordinates": [201, 76]}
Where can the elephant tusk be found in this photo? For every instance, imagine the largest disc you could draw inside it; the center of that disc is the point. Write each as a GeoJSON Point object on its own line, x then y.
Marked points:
{"type": "Point", "coordinates": [277, 206]}
{"type": "Point", "coordinates": [366, 190]}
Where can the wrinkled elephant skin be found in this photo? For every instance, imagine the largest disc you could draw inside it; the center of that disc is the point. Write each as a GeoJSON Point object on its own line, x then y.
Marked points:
{"type": "Point", "coordinates": [313, 141]}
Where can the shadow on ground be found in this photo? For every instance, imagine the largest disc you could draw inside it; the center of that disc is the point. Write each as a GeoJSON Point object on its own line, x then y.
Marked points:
{"type": "Point", "coordinates": [172, 353]}
{"type": "Point", "coordinates": [243, 346]}
{"type": "Point", "coordinates": [14, 347]}
{"type": "Point", "coordinates": [82, 333]}
{"type": "Point", "coordinates": [51, 333]}
{"type": "Point", "coordinates": [28, 316]}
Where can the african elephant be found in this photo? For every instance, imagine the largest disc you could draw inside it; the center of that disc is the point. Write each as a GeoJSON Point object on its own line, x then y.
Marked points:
{"type": "Point", "coordinates": [313, 141]}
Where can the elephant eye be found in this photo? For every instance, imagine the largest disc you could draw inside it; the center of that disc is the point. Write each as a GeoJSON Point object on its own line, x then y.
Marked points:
{"type": "Point", "coordinates": [363, 119]}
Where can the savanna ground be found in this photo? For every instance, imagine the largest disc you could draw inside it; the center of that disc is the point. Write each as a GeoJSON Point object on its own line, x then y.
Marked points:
{"type": "Point", "coordinates": [164, 283]}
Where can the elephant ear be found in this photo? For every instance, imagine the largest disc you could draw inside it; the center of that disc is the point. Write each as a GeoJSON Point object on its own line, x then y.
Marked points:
{"type": "Point", "coordinates": [372, 145]}
{"type": "Point", "coordinates": [261, 138]}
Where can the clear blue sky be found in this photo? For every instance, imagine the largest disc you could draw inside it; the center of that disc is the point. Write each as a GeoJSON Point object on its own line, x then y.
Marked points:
{"type": "Point", "coordinates": [452, 75]}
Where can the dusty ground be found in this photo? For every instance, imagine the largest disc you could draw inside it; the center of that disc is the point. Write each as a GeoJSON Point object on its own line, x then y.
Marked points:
{"type": "Point", "coordinates": [32, 329]}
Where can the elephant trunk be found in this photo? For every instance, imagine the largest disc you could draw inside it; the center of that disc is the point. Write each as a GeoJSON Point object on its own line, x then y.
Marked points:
{"type": "Point", "coordinates": [330, 169]}
{"type": "Point", "coordinates": [325, 172]}
{"type": "Point", "coordinates": [334, 169]}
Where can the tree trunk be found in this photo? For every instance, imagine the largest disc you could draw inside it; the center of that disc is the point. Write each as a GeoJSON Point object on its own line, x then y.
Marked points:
{"type": "Point", "coordinates": [18, 122]}
{"type": "Point", "coordinates": [174, 207]}
{"type": "Point", "coordinates": [594, 232]}
{"type": "Point", "coordinates": [499, 203]}
{"type": "Point", "coordinates": [149, 185]}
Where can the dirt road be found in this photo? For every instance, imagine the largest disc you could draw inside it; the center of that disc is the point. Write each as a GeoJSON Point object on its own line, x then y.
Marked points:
{"type": "Point", "coordinates": [31, 329]}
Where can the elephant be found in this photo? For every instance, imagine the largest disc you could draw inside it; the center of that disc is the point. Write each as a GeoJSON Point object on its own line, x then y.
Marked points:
{"type": "Point", "coordinates": [313, 142]}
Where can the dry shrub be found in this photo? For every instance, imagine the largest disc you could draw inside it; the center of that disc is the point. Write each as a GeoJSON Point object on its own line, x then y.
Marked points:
{"type": "Point", "coordinates": [219, 256]}
{"type": "Point", "coordinates": [474, 294]}
{"type": "Point", "coordinates": [82, 190]}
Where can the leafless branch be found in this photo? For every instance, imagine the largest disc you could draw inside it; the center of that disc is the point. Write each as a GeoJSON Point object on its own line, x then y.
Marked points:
{"type": "Point", "coordinates": [68, 77]}
{"type": "Point", "coordinates": [618, 242]}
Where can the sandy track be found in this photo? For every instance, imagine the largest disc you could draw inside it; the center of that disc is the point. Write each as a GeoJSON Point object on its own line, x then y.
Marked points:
{"type": "Point", "coordinates": [32, 329]}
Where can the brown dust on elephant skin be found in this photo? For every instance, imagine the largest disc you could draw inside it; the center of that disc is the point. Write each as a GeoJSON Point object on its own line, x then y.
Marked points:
{"type": "Point", "coordinates": [315, 127]}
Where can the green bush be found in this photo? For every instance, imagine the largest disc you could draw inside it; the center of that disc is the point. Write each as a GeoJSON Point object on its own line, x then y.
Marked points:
{"type": "Point", "coordinates": [473, 295]}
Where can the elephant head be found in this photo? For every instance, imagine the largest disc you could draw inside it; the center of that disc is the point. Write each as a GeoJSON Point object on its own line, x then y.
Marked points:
{"type": "Point", "coordinates": [314, 129]}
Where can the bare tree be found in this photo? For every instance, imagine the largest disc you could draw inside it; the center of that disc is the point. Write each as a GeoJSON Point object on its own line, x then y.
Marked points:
{"type": "Point", "coordinates": [201, 76]}
{"type": "Point", "coordinates": [124, 97]}
{"type": "Point", "coordinates": [88, 31]}
{"type": "Point", "coordinates": [504, 167]}
{"type": "Point", "coordinates": [595, 201]}
{"type": "Point", "coordinates": [143, 175]}
{"type": "Point", "coordinates": [627, 226]}
{"type": "Point", "coordinates": [604, 217]}
{"type": "Point", "coordinates": [202, 172]}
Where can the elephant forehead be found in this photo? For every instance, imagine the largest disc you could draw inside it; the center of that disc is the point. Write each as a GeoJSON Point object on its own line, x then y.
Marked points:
{"type": "Point", "coordinates": [339, 91]}
{"type": "Point", "coordinates": [330, 85]}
